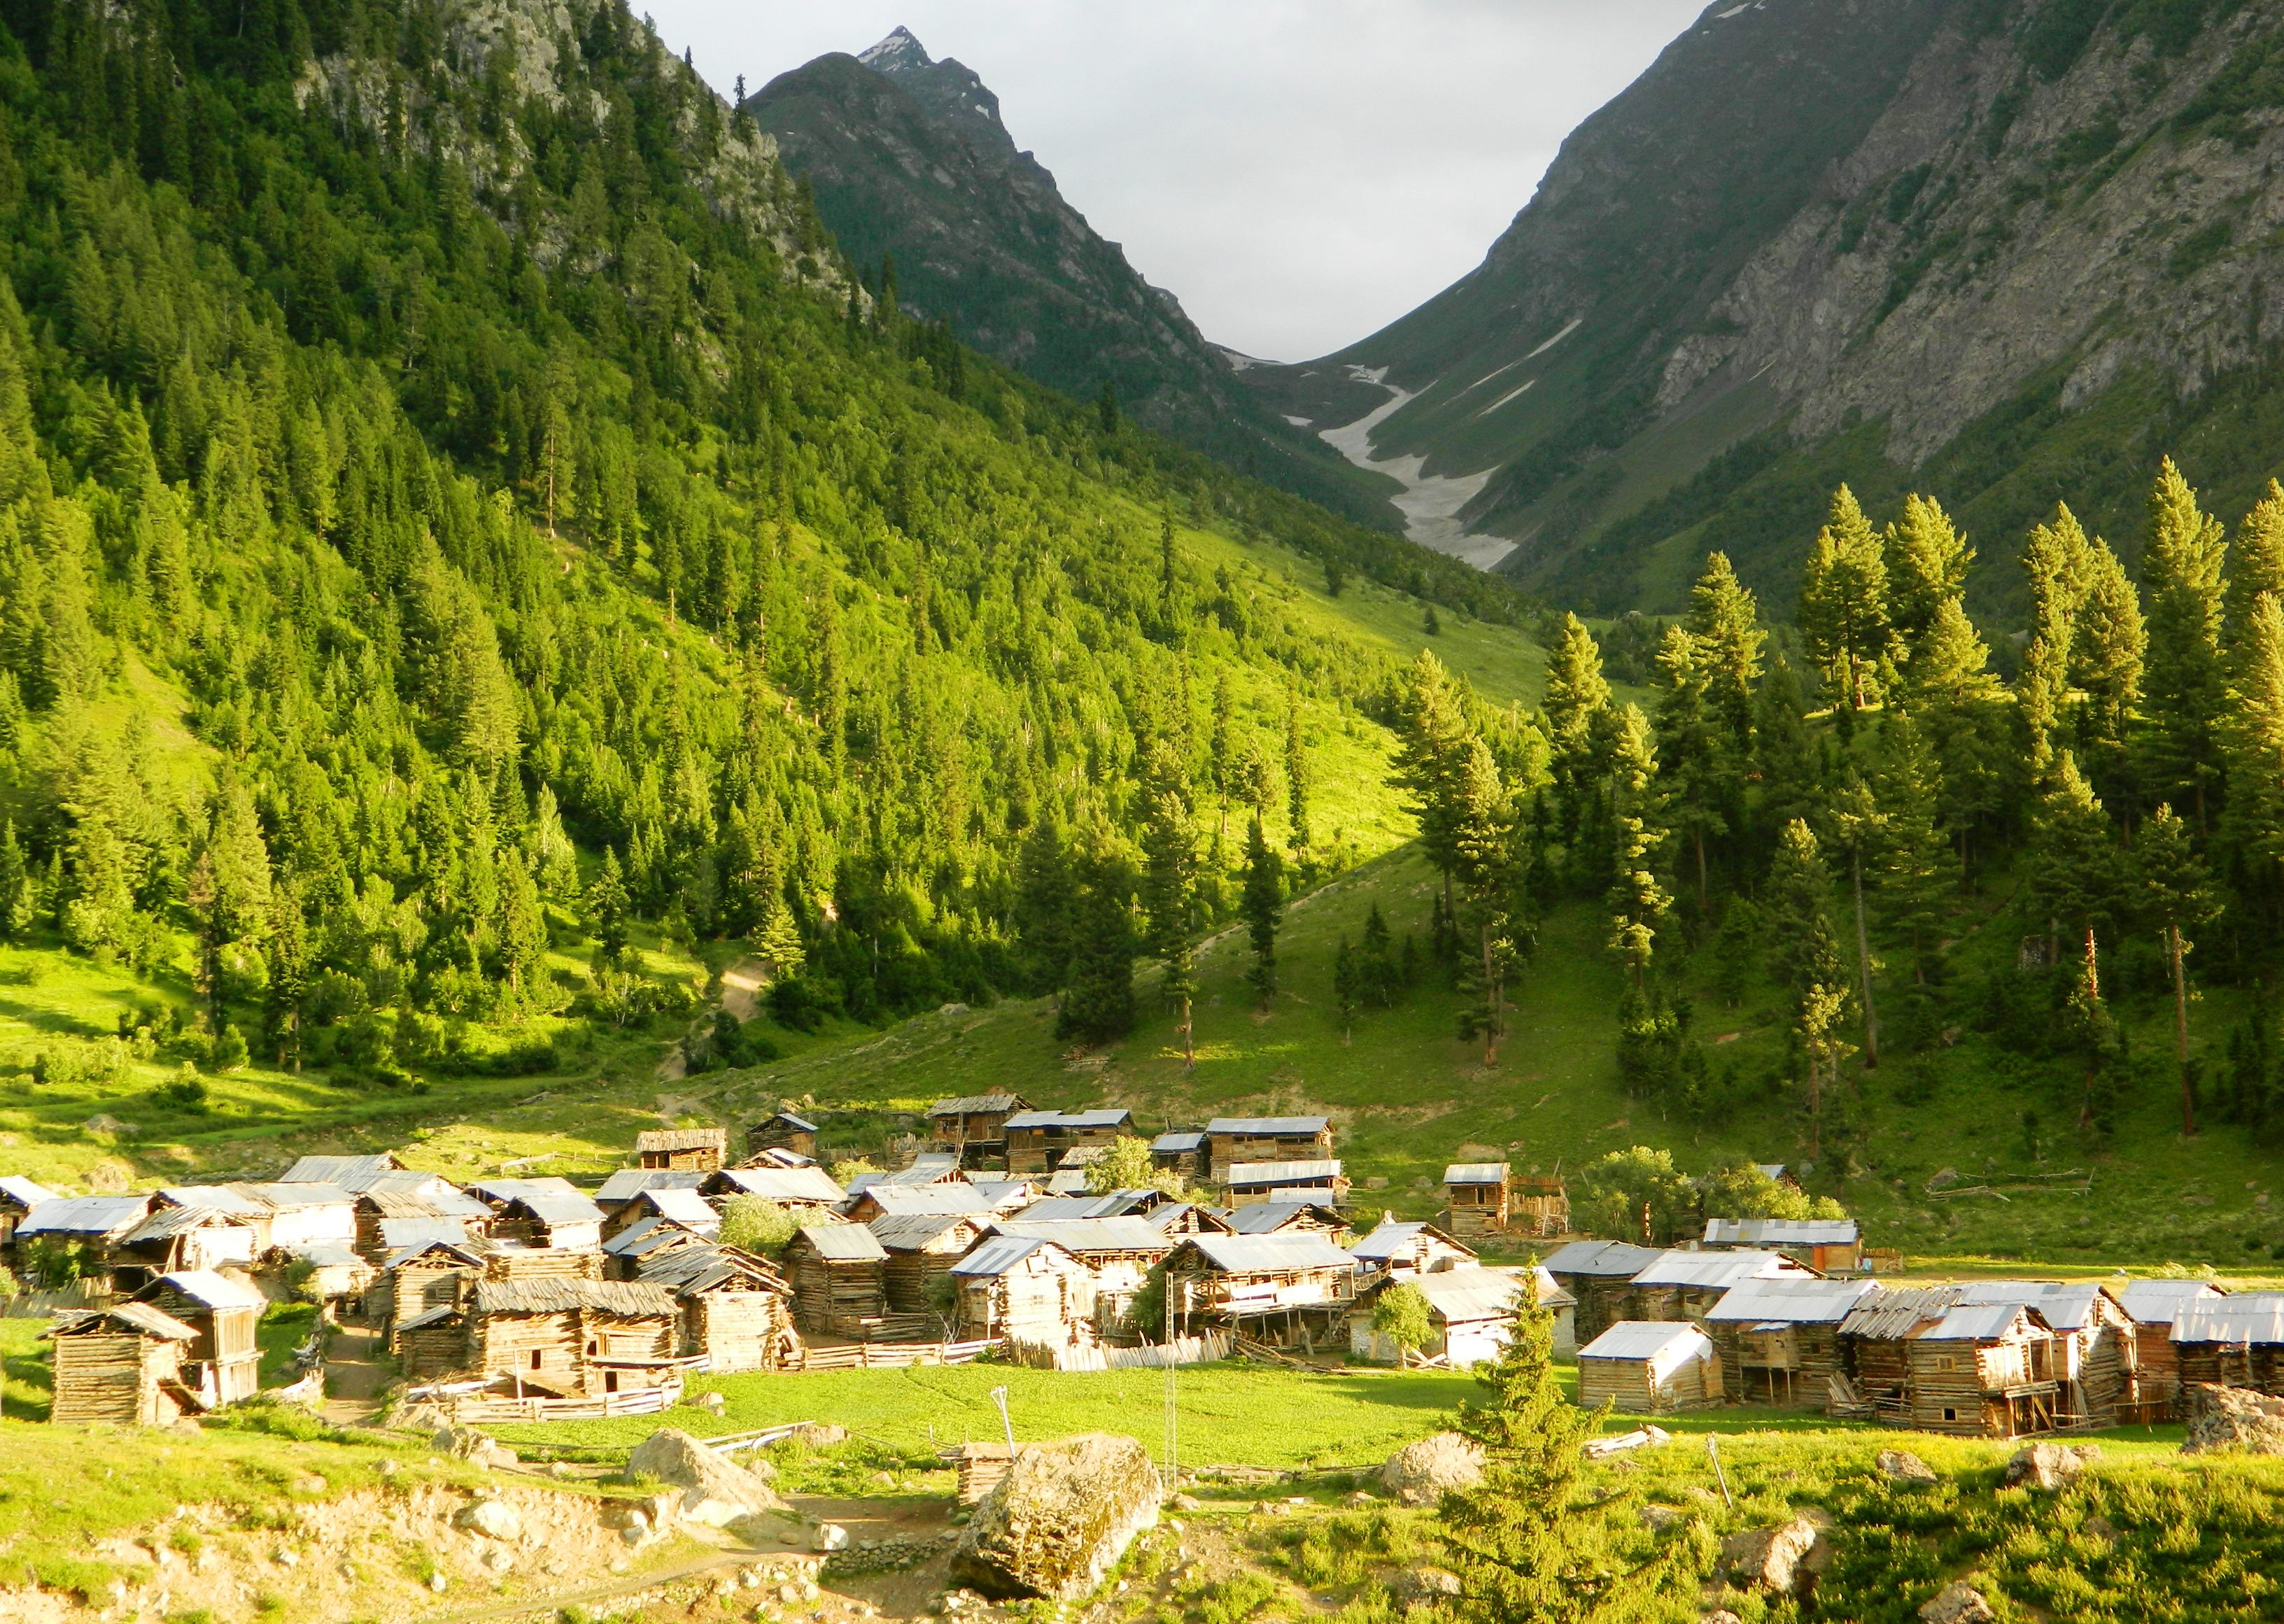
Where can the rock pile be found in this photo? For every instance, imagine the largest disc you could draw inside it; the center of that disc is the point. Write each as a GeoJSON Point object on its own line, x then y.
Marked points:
{"type": "Point", "coordinates": [1059, 1519]}
{"type": "Point", "coordinates": [2235, 1420]}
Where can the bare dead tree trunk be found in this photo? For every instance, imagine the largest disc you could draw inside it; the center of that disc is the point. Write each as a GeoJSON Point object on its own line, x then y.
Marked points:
{"type": "Point", "coordinates": [1864, 970]}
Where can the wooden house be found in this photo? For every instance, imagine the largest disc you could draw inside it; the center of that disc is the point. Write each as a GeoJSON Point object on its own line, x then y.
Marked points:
{"type": "Point", "coordinates": [1779, 1339]}
{"type": "Point", "coordinates": [2235, 1341]}
{"type": "Point", "coordinates": [1649, 1367]}
{"type": "Point", "coordinates": [1487, 1201]}
{"type": "Point", "coordinates": [797, 1189]}
{"type": "Point", "coordinates": [1686, 1285]}
{"type": "Point", "coordinates": [974, 1128]}
{"type": "Point", "coordinates": [627, 1183]}
{"type": "Point", "coordinates": [876, 1201]}
{"type": "Point", "coordinates": [1105, 1204]}
{"type": "Point", "coordinates": [697, 1149]}
{"type": "Point", "coordinates": [548, 1213]}
{"type": "Point", "coordinates": [327, 1273]}
{"type": "Point", "coordinates": [1181, 1151]}
{"type": "Point", "coordinates": [840, 1273]}
{"type": "Point", "coordinates": [1284, 1217]}
{"type": "Point", "coordinates": [1231, 1141]}
{"type": "Point", "coordinates": [685, 1207]}
{"type": "Point", "coordinates": [1921, 1359]}
{"type": "Point", "coordinates": [1006, 1197]}
{"type": "Point", "coordinates": [1291, 1287]}
{"type": "Point", "coordinates": [1470, 1312]}
{"type": "Point", "coordinates": [1403, 1248]}
{"type": "Point", "coordinates": [2154, 1306]}
{"type": "Point", "coordinates": [1119, 1253]}
{"type": "Point", "coordinates": [1829, 1245]}
{"type": "Point", "coordinates": [86, 1229]}
{"type": "Point", "coordinates": [1248, 1181]}
{"type": "Point", "coordinates": [782, 1131]}
{"type": "Point", "coordinates": [1041, 1141]}
{"type": "Point", "coordinates": [737, 1310]}
{"type": "Point", "coordinates": [508, 1259]}
{"type": "Point", "coordinates": [304, 1215]}
{"type": "Point", "coordinates": [1599, 1275]}
{"type": "Point", "coordinates": [121, 1364]}
{"type": "Point", "coordinates": [353, 1174]}
{"type": "Point", "coordinates": [173, 1238]}
{"type": "Point", "coordinates": [2097, 1351]}
{"type": "Point", "coordinates": [420, 1279]}
{"type": "Point", "coordinates": [236, 1202]}
{"type": "Point", "coordinates": [413, 1197]}
{"type": "Point", "coordinates": [17, 1197]}
{"type": "Point", "coordinates": [1027, 1289]}
{"type": "Point", "coordinates": [223, 1360]}
{"type": "Point", "coordinates": [573, 1336]}
{"type": "Point", "coordinates": [921, 1248]}
{"type": "Point", "coordinates": [636, 1248]}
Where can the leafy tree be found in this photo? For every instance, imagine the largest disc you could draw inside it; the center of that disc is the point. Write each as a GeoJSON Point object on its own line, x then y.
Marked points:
{"type": "Point", "coordinates": [1127, 1165]}
{"type": "Point", "coordinates": [1741, 1189]}
{"type": "Point", "coordinates": [757, 1224]}
{"type": "Point", "coordinates": [1401, 1314]}
{"type": "Point", "coordinates": [1263, 905]}
{"type": "Point", "coordinates": [1636, 1194]}
{"type": "Point", "coordinates": [1843, 602]}
{"type": "Point", "coordinates": [2176, 896]}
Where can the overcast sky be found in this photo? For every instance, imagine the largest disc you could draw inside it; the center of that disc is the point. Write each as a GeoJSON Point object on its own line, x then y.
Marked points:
{"type": "Point", "coordinates": [1301, 172]}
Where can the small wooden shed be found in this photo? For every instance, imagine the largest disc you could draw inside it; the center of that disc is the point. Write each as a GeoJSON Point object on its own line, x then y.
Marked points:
{"type": "Point", "coordinates": [1488, 1201]}
{"type": "Point", "coordinates": [548, 1213]}
{"type": "Point", "coordinates": [737, 1310]}
{"type": "Point", "coordinates": [799, 1190]}
{"type": "Point", "coordinates": [1924, 1360]}
{"type": "Point", "coordinates": [1289, 1287]}
{"type": "Point", "coordinates": [921, 1248]}
{"type": "Point", "coordinates": [1180, 1149]}
{"type": "Point", "coordinates": [1405, 1247]}
{"type": "Point", "coordinates": [1119, 1253]}
{"type": "Point", "coordinates": [1234, 1140]}
{"type": "Point", "coordinates": [1025, 1288]}
{"type": "Point", "coordinates": [412, 1196]}
{"type": "Point", "coordinates": [884, 1200]}
{"type": "Point", "coordinates": [2154, 1306]}
{"type": "Point", "coordinates": [1829, 1245]}
{"type": "Point", "coordinates": [1320, 1180]}
{"type": "Point", "coordinates": [573, 1336]}
{"type": "Point", "coordinates": [121, 1364]}
{"type": "Point", "coordinates": [701, 1148]}
{"type": "Point", "coordinates": [2097, 1351]}
{"type": "Point", "coordinates": [839, 1278]}
{"type": "Point", "coordinates": [173, 1239]}
{"type": "Point", "coordinates": [1649, 1367]}
{"type": "Point", "coordinates": [423, 1277]}
{"type": "Point", "coordinates": [974, 1128]}
{"type": "Point", "coordinates": [1470, 1311]}
{"type": "Point", "coordinates": [1284, 1217]}
{"type": "Point", "coordinates": [2235, 1341]}
{"type": "Point", "coordinates": [627, 1183]}
{"type": "Point", "coordinates": [782, 1130]}
{"type": "Point", "coordinates": [1600, 1274]}
{"type": "Point", "coordinates": [1040, 1141]}
{"type": "Point", "coordinates": [223, 1360]}
{"type": "Point", "coordinates": [18, 1196]}
{"type": "Point", "coordinates": [1779, 1339]}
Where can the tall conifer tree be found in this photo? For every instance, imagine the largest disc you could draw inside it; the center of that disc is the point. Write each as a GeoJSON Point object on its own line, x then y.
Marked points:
{"type": "Point", "coordinates": [2182, 682]}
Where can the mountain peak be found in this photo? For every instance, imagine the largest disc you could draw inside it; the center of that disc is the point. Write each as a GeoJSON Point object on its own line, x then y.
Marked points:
{"type": "Point", "coordinates": [899, 53]}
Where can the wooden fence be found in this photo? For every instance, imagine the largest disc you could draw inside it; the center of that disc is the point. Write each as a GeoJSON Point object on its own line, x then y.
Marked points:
{"type": "Point", "coordinates": [479, 1406]}
{"type": "Point", "coordinates": [1183, 1350]}
{"type": "Point", "coordinates": [891, 1356]}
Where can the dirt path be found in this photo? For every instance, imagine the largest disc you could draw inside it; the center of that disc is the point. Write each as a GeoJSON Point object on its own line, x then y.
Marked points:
{"type": "Point", "coordinates": [556, 1603]}
{"type": "Point", "coordinates": [742, 986]}
{"type": "Point", "coordinates": [353, 1378]}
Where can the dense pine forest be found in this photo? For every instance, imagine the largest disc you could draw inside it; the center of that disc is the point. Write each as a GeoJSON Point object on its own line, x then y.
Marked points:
{"type": "Point", "coordinates": [455, 504]}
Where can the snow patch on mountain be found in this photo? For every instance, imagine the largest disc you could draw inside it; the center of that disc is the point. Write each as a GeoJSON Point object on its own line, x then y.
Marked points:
{"type": "Point", "coordinates": [1430, 504]}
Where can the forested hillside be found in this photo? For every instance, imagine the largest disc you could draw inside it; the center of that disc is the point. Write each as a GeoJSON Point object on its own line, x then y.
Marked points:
{"type": "Point", "coordinates": [464, 527]}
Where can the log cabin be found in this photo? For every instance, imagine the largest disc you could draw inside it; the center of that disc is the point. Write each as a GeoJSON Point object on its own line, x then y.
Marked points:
{"type": "Point", "coordinates": [1488, 1201]}
{"type": "Point", "coordinates": [737, 1310]}
{"type": "Point", "coordinates": [1779, 1339]}
{"type": "Point", "coordinates": [1291, 1287]}
{"type": "Point", "coordinates": [1321, 1180]}
{"type": "Point", "coordinates": [1829, 1245]}
{"type": "Point", "coordinates": [547, 1213]}
{"type": "Point", "coordinates": [1470, 1313]}
{"type": "Point", "coordinates": [921, 1248]}
{"type": "Point", "coordinates": [413, 1196]}
{"type": "Point", "coordinates": [1041, 1141]}
{"type": "Point", "coordinates": [839, 1278]}
{"type": "Point", "coordinates": [701, 1150]}
{"type": "Point", "coordinates": [81, 1232]}
{"type": "Point", "coordinates": [1180, 1151]}
{"type": "Point", "coordinates": [173, 1238]}
{"type": "Point", "coordinates": [1599, 1275]}
{"type": "Point", "coordinates": [634, 1249]}
{"type": "Point", "coordinates": [18, 1196]}
{"type": "Point", "coordinates": [686, 1207]}
{"type": "Point", "coordinates": [1406, 1247]}
{"type": "Point", "coordinates": [1684, 1286]}
{"type": "Point", "coordinates": [1920, 1358]}
{"type": "Point", "coordinates": [236, 1202]}
{"type": "Point", "coordinates": [797, 1189]}
{"type": "Point", "coordinates": [1118, 1252]}
{"type": "Point", "coordinates": [627, 1183]}
{"type": "Point", "coordinates": [417, 1280]}
{"type": "Point", "coordinates": [2154, 1305]}
{"type": "Point", "coordinates": [1284, 1217]}
{"type": "Point", "coordinates": [1233, 1140]}
{"type": "Point", "coordinates": [974, 1128]}
{"type": "Point", "coordinates": [2235, 1341]}
{"type": "Point", "coordinates": [781, 1131]}
{"type": "Point", "coordinates": [224, 1358]}
{"type": "Point", "coordinates": [2096, 1348]}
{"type": "Point", "coordinates": [574, 1337]}
{"type": "Point", "coordinates": [305, 1215]}
{"type": "Point", "coordinates": [891, 1200]}
{"type": "Point", "coordinates": [1649, 1367]}
{"type": "Point", "coordinates": [120, 1364]}
{"type": "Point", "coordinates": [1027, 1289]}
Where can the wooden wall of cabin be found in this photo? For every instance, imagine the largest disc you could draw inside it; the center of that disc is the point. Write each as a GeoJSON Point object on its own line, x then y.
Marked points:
{"type": "Point", "coordinates": [2260, 1368]}
{"type": "Point", "coordinates": [538, 1347]}
{"type": "Point", "coordinates": [431, 1351]}
{"type": "Point", "coordinates": [113, 1377]}
{"type": "Point", "coordinates": [741, 1331]}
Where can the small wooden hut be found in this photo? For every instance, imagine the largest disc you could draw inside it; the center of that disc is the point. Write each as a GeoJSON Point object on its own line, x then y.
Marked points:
{"type": "Point", "coordinates": [1027, 1289]}
{"type": "Point", "coordinates": [1488, 1201]}
{"type": "Point", "coordinates": [1231, 1141]}
{"type": "Point", "coordinates": [305, 1215]}
{"type": "Point", "coordinates": [921, 1248]}
{"type": "Point", "coordinates": [223, 1360]}
{"type": "Point", "coordinates": [1779, 1339]}
{"type": "Point", "coordinates": [573, 1336]}
{"type": "Point", "coordinates": [1181, 1151]}
{"type": "Point", "coordinates": [1922, 1359]}
{"type": "Point", "coordinates": [174, 1238]}
{"type": "Point", "coordinates": [697, 1149]}
{"type": "Point", "coordinates": [627, 1183]}
{"type": "Point", "coordinates": [1284, 1217]}
{"type": "Point", "coordinates": [1829, 1245]}
{"type": "Point", "coordinates": [839, 1278]}
{"type": "Point", "coordinates": [2095, 1342]}
{"type": "Point", "coordinates": [122, 1364]}
{"type": "Point", "coordinates": [1405, 1247]}
{"type": "Point", "coordinates": [1649, 1367]}
{"type": "Point", "coordinates": [782, 1131]}
{"type": "Point", "coordinates": [2155, 1306]}
{"type": "Point", "coordinates": [884, 1200]}
{"type": "Point", "coordinates": [1686, 1285]}
{"type": "Point", "coordinates": [1600, 1274]}
{"type": "Point", "coordinates": [1321, 1180]}
{"type": "Point", "coordinates": [1292, 1287]}
{"type": "Point", "coordinates": [423, 1277]}
{"type": "Point", "coordinates": [1118, 1252]}
{"type": "Point", "coordinates": [799, 1190]}
{"type": "Point", "coordinates": [1041, 1141]}
{"type": "Point", "coordinates": [737, 1310]}
{"type": "Point", "coordinates": [545, 1213]}
{"type": "Point", "coordinates": [430, 1201]}
{"type": "Point", "coordinates": [632, 1251]}
{"type": "Point", "coordinates": [87, 1227]}
{"type": "Point", "coordinates": [2234, 1342]}
{"type": "Point", "coordinates": [1470, 1312]}
{"type": "Point", "coordinates": [974, 1128]}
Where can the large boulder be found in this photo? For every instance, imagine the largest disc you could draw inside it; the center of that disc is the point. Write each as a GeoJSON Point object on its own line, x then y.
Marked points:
{"type": "Point", "coordinates": [1958, 1603]}
{"type": "Point", "coordinates": [1902, 1466]}
{"type": "Point", "coordinates": [715, 1491]}
{"type": "Point", "coordinates": [2231, 1420]}
{"type": "Point", "coordinates": [478, 1448]}
{"type": "Point", "coordinates": [1420, 1473]}
{"type": "Point", "coordinates": [2050, 1465]}
{"type": "Point", "coordinates": [495, 1520]}
{"type": "Point", "coordinates": [1771, 1559]}
{"type": "Point", "coordinates": [1059, 1519]}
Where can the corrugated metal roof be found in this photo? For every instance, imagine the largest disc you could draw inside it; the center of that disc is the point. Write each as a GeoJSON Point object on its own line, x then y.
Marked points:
{"type": "Point", "coordinates": [1176, 1143]}
{"type": "Point", "coordinates": [351, 1172]}
{"type": "Point", "coordinates": [802, 1185]}
{"type": "Point", "coordinates": [944, 1171]}
{"type": "Point", "coordinates": [671, 1139]}
{"type": "Point", "coordinates": [1067, 1181]}
{"type": "Point", "coordinates": [683, 1205]}
{"type": "Point", "coordinates": [1269, 1217]}
{"type": "Point", "coordinates": [297, 1198]}
{"type": "Point", "coordinates": [326, 1254]}
{"type": "Point", "coordinates": [215, 1291]}
{"type": "Point", "coordinates": [22, 1192]}
{"type": "Point", "coordinates": [910, 1231]}
{"type": "Point", "coordinates": [778, 1156]}
{"type": "Point", "coordinates": [468, 1252]}
{"type": "Point", "coordinates": [1254, 1174]}
{"type": "Point", "coordinates": [627, 1183]}
{"type": "Point", "coordinates": [228, 1199]}
{"type": "Point", "coordinates": [800, 1124]}
{"type": "Point", "coordinates": [138, 1316]}
{"type": "Point", "coordinates": [1978, 1321]}
{"type": "Point", "coordinates": [102, 1216]}
{"type": "Point", "coordinates": [1277, 1127]}
{"type": "Point", "coordinates": [398, 1232]}
{"type": "Point", "coordinates": [1476, 1173]}
{"type": "Point", "coordinates": [1062, 1209]}
{"type": "Point", "coordinates": [972, 1104]}
{"type": "Point", "coordinates": [843, 1243]}
{"type": "Point", "coordinates": [436, 1315]}
{"type": "Point", "coordinates": [422, 1191]}
{"type": "Point", "coordinates": [1646, 1340]}
{"type": "Point", "coordinates": [1082, 1236]}
{"type": "Point", "coordinates": [165, 1222]}
{"type": "Point", "coordinates": [647, 1236]}
{"type": "Point", "coordinates": [2158, 1302]}
{"type": "Point", "coordinates": [2066, 1305]}
{"type": "Point", "coordinates": [1463, 1296]}
{"type": "Point", "coordinates": [1781, 1231]}
{"type": "Point", "coordinates": [928, 1198]}
{"type": "Point", "coordinates": [556, 1207]}
{"type": "Point", "coordinates": [2247, 1317]}
{"type": "Point", "coordinates": [996, 1255]}
{"type": "Point", "coordinates": [1889, 1312]}
{"type": "Point", "coordinates": [1112, 1118]}
{"type": "Point", "coordinates": [998, 1189]}
{"type": "Point", "coordinates": [1618, 1258]}
{"type": "Point", "coordinates": [1714, 1268]}
{"type": "Point", "coordinates": [1392, 1236]}
{"type": "Point", "coordinates": [1792, 1301]}
{"type": "Point", "coordinates": [628, 1299]}
{"type": "Point", "coordinates": [1262, 1255]}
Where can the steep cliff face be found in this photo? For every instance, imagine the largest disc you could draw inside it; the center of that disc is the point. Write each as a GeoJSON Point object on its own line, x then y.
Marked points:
{"type": "Point", "coordinates": [908, 157]}
{"type": "Point", "coordinates": [2007, 249]}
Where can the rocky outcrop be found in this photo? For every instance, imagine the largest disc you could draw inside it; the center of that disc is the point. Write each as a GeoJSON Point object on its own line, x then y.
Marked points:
{"type": "Point", "coordinates": [1421, 1473]}
{"type": "Point", "coordinates": [1902, 1466]}
{"type": "Point", "coordinates": [715, 1491]}
{"type": "Point", "coordinates": [1060, 1519]}
{"type": "Point", "coordinates": [1958, 1603]}
{"type": "Point", "coordinates": [2231, 1420]}
{"type": "Point", "coordinates": [2047, 1466]}
{"type": "Point", "coordinates": [1771, 1559]}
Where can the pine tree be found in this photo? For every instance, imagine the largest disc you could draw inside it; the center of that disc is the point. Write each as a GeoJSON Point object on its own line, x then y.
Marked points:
{"type": "Point", "coordinates": [16, 906]}
{"type": "Point", "coordinates": [1725, 620]}
{"type": "Point", "coordinates": [2106, 656]}
{"type": "Point", "coordinates": [2176, 896]}
{"type": "Point", "coordinates": [1580, 730]}
{"type": "Point", "coordinates": [1222, 756]}
{"type": "Point", "coordinates": [2254, 823]}
{"type": "Point", "coordinates": [2257, 560]}
{"type": "Point", "coordinates": [2182, 685]}
{"type": "Point", "coordinates": [1914, 875]}
{"type": "Point", "coordinates": [1379, 974]}
{"type": "Point", "coordinates": [1169, 885]}
{"type": "Point", "coordinates": [2059, 562]}
{"type": "Point", "coordinates": [1491, 894]}
{"type": "Point", "coordinates": [1796, 914]}
{"type": "Point", "coordinates": [1791, 778]}
{"type": "Point", "coordinates": [1859, 823]}
{"type": "Point", "coordinates": [1431, 750]}
{"type": "Point", "coordinates": [1263, 904]}
{"type": "Point", "coordinates": [1927, 561]}
{"type": "Point", "coordinates": [1042, 907]}
{"type": "Point", "coordinates": [1170, 611]}
{"type": "Point", "coordinates": [1296, 769]}
{"type": "Point", "coordinates": [1843, 601]}
{"type": "Point", "coordinates": [1347, 987]}
{"type": "Point", "coordinates": [1638, 901]}
{"type": "Point", "coordinates": [1693, 748]}
{"type": "Point", "coordinates": [608, 909]}
{"type": "Point", "coordinates": [2076, 871]}
{"type": "Point", "coordinates": [1098, 1004]}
